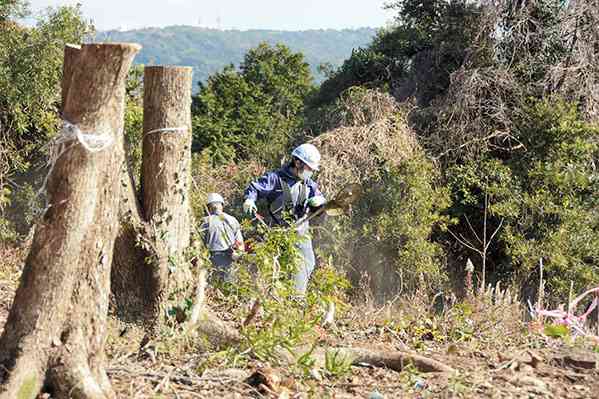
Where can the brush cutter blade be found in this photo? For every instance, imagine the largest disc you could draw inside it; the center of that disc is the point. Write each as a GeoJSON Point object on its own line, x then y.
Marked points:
{"type": "Point", "coordinates": [343, 200]}
{"type": "Point", "coordinates": [336, 211]}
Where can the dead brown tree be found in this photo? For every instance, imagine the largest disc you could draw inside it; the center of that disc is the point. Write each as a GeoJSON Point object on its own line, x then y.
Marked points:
{"type": "Point", "coordinates": [56, 328]}
{"type": "Point", "coordinates": [484, 242]}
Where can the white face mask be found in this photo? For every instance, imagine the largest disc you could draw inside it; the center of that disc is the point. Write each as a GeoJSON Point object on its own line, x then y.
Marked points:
{"type": "Point", "coordinates": [216, 210]}
{"type": "Point", "coordinates": [306, 174]}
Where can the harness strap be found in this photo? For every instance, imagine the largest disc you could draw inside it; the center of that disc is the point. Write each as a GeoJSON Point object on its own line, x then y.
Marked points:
{"type": "Point", "coordinates": [287, 202]}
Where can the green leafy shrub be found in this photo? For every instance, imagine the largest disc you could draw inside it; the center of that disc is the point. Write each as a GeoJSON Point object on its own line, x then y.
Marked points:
{"type": "Point", "coordinates": [399, 215]}
{"type": "Point", "coordinates": [336, 364]}
{"type": "Point", "coordinates": [286, 321]}
{"type": "Point", "coordinates": [545, 195]}
{"type": "Point", "coordinates": [7, 230]}
{"type": "Point", "coordinates": [134, 120]}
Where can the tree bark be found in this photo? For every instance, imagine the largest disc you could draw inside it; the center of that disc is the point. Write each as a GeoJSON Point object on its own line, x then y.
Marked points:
{"type": "Point", "coordinates": [162, 220]}
{"type": "Point", "coordinates": [131, 277]}
{"type": "Point", "coordinates": [166, 160]}
{"type": "Point", "coordinates": [58, 319]}
{"type": "Point", "coordinates": [71, 52]}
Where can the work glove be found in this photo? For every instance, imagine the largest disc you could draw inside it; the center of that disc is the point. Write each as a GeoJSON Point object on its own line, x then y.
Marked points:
{"type": "Point", "coordinates": [316, 201]}
{"type": "Point", "coordinates": [249, 206]}
{"type": "Point", "coordinates": [237, 254]}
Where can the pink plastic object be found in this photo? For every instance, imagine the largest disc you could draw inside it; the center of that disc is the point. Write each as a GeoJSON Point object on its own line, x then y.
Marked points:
{"type": "Point", "coordinates": [576, 323]}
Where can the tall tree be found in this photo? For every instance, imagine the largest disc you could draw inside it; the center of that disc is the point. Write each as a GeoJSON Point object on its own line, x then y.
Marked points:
{"type": "Point", "coordinates": [414, 57]}
{"type": "Point", "coordinates": [253, 111]}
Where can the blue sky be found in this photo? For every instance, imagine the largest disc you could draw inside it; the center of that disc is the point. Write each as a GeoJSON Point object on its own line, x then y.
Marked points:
{"type": "Point", "coordinates": [227, 14]}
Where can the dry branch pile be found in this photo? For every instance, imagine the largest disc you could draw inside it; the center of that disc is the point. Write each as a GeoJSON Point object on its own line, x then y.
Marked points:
{"type": "Point", "coordinates": [523, 50]}
{"type": "Point", "coordinates": [372, 133]}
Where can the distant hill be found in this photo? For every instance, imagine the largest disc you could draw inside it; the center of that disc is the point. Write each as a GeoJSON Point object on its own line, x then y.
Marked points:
{"type": "Point", "coordinates": [209, 50]}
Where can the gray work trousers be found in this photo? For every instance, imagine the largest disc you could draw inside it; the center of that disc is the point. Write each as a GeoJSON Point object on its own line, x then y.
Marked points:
{"type": "Point", "coordinates": [306, 264]}
{"type": "Point", "coordinates": [222, 262]}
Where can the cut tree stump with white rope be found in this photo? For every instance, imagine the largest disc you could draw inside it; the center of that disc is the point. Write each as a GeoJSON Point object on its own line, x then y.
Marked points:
{"type": "Point", "coordinates": [56, 328]}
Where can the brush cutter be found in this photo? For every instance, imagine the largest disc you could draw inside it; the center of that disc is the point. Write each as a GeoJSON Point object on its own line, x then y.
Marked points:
{"type": "Point", "coordinates": [338, 206]}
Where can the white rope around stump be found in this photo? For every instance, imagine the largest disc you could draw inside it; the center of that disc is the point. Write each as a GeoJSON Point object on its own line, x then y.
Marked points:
{"type": "Point", "coordinates": [181, 129]}
{"type": "Point", "coordinates": [91, 142]}
{"type": "Point", "coordinates": [69, 136]}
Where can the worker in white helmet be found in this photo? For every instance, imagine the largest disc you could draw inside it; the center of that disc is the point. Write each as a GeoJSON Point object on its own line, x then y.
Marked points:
{"type": "Point", "coordinates": [222, 236]}
{"type": "Point", "coordinates": [291, 191]}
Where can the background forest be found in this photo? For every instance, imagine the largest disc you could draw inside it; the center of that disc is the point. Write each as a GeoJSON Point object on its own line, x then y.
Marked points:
{"type": "Point", "coordinates": [210, 50]}
{"type": "Point", "coordinates": [500, 102]}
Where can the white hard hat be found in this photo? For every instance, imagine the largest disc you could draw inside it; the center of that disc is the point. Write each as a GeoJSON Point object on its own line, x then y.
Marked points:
{"type": "Point", "coordinates": [215, 197]}
{"type": "Point", "coordinates": [308, 154]}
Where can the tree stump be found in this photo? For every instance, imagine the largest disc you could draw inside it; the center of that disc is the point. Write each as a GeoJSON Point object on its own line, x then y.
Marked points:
{"type": "Point", "coordinates": [166, 166]}
{"type": "Point", "coordinates": [166, 161]}
{"type": "Point", "coordinates": [131, 276]}
{"type": "Point", "coordinates": [56, 327]}
{"type": "Point", "coordinates": [162, 219]}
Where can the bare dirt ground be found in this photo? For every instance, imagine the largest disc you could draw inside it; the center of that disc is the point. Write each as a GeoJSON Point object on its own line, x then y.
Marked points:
{"type": "Point", "coordinates": [494, 355]}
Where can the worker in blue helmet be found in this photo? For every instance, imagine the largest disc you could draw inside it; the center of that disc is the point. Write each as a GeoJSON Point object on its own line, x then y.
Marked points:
{"type": "Point", "coordinates": [291, 191]}
{"type": "Point", "coordinates": [222, 236]}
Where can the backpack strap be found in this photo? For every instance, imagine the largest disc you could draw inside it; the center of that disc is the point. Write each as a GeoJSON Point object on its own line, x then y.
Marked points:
{"type": "Point", "coordinates": [302, 196]}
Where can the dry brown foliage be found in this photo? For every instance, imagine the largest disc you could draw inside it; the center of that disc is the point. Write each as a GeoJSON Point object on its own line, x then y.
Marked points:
{"type": "Point", "coordinates": [477, 113]}
{"type": "Point", "coordinates": [577, 74]}
{"type": "Point", "coordinates": [372, 133]}
{"type": "Point", "coordinates": [229, 180]}
{"type": "Point", "coordinates": [517, 55]}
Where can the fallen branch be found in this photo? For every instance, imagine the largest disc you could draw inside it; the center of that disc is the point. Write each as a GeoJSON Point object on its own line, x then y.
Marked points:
{"type": "Point", "coordinates": [216, 332]}
{"type": "Point", "coordinates": [208, 325]}
{"type": "Point", "coordinates": [219, 334]}
{"type": "Point", "coordinates": [396, 360]}
{"type": "Point", "coordinates": [226, 376]}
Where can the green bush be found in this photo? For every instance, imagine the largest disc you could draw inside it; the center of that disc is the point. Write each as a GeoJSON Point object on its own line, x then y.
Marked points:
{"type": "Point", "coordinates": [560, 191]}
{"type": "Point", "coordinates": [7, 231]}
{"type": "Point", "coordinates": [390, 233]}
{"type": "Point", "coordinates": [254, 111]}
{"type": "Point", "coordinates": [546, 194]}
{"type": "Point", "coordinates": [30, 72]}
{"type": "Point", "coordinates": [285, 321]}
{"type": "Point", "coordinates": [400, 214]}
{"type": "Point", "coordinates": [134, 120]}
